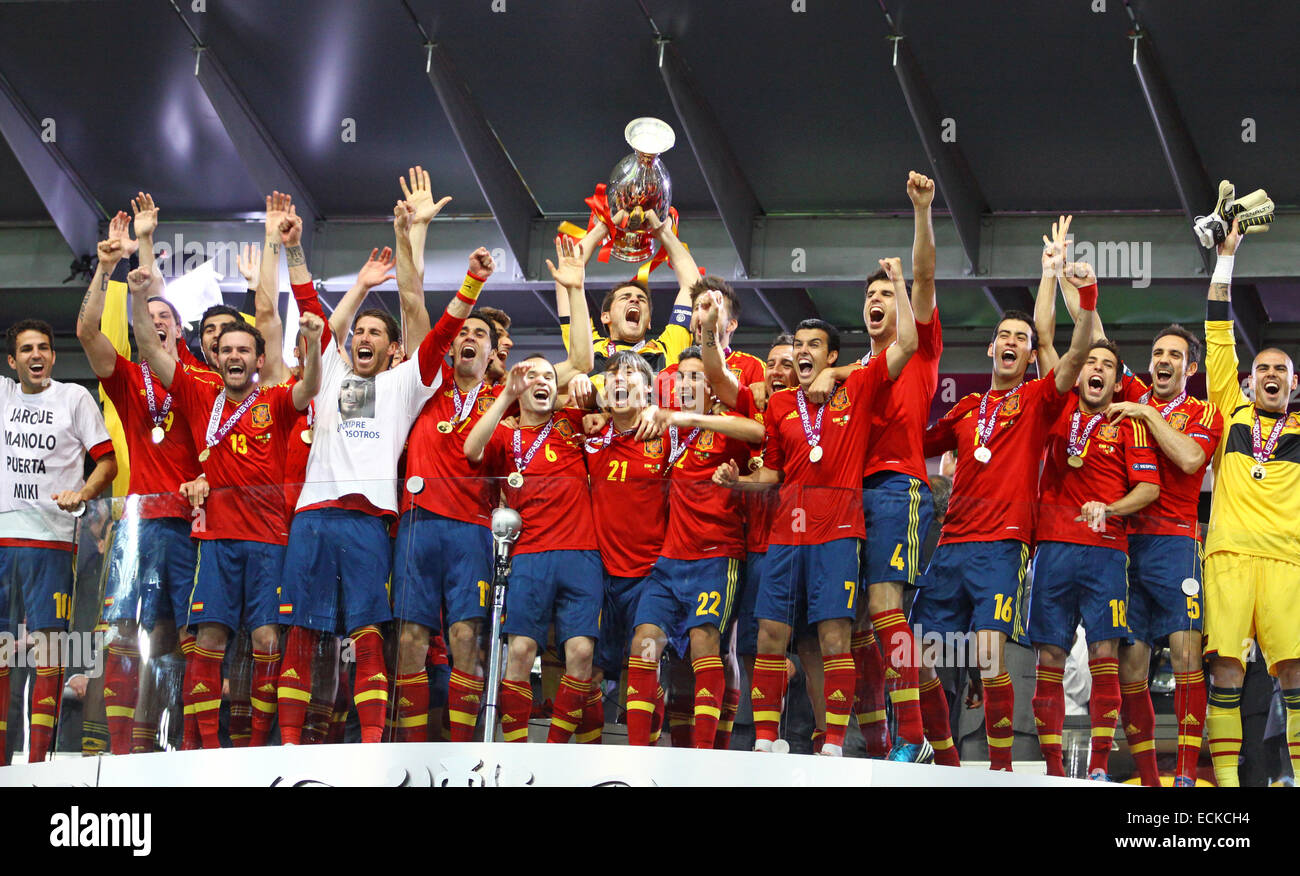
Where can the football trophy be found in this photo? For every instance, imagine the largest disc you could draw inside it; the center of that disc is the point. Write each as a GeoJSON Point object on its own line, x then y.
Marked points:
{"type": "Point", "coordinates": [639, 184]}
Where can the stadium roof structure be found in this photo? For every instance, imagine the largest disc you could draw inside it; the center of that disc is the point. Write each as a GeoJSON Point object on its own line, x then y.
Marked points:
{"type": "Point", "coordinates": [797, 122]}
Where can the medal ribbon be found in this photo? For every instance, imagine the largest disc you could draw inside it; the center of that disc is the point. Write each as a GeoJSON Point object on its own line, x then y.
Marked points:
{"type": "Point", "coordinates": [1169, 408]}
{"type": "Point", "coordinates": [151, 399]}
{"type": "Point", "coordinates": [215, 435]}
{"type": "Point", "coordinates": [812, 431]}
{"type": "Point", "coordinates": [985, 426]}
{"type": "Point", "coordinates": [521, 462]}
{"type": "Point", "coordinates": [1262, 453]}
{"type": "Point", "coordinates": [676, 449]}
{"type": "Point", "coordinates": [1078, 442]}
{"type": "Point", "coordinates": [464, 403]}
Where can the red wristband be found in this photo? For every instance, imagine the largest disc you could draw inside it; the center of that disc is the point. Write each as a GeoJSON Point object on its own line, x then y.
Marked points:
{"type": "Point", "coordinates": [463, 297]}
{"type": "Point", "coordinates": [1088, 297]}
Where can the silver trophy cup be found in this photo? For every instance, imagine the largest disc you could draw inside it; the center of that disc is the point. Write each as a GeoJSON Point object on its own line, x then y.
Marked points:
{"type": "Point", "coordinates": [639, 180]}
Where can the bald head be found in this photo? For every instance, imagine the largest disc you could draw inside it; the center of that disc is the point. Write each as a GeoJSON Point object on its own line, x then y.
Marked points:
{"type": "Point", "coordinates": [1273, 379]}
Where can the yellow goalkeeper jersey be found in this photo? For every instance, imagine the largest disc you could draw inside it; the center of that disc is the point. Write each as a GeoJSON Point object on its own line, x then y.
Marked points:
{"type": "Point", "coordinates": [1248, 516]}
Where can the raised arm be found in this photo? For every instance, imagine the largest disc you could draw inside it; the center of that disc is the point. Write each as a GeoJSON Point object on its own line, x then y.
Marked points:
{"type": "Point", "coordinates": [99, 349]}
{"type": "Point", "coordinates": [305, 389]}
{"type": "Point", "coordinates": [684, 267]}
{"type": "Point", "coordinates": [372, 273]}
{"type": "Point", "coordinates": [920, 189]}
{"type": "Point", "coordinates": [476, 441]}
{"type": "Point", "coordinates": [569, 273]}
{"type": "Point", "coordinates": [421, 208]}
{"type": "Point", "coordinates": [588, 247]}
{"type": "Point", "coordinates": [899, 353]}
{"type": "Point", "coordinates": [139, 286]}
{"type": "Point", "coordinates": [1221, 362]}
{"type": "Point", "coordinates": [1079, 275]}
{"type": "Point", "coordinates": [723, 383]}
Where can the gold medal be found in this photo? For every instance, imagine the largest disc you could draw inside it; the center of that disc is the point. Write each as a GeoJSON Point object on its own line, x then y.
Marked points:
{"type": "Point", "coordinates": [445, 427]}
{"type": "Point", "coordinates": [1075, 461]}
{"type": "Point", "coordinates": [515, 480]}
{"type": "Point", "coordinates": [204, 454]}
{"type": "Point", "coordinates": [1257, 471]}
{"type": "Point", "coordinates": [305, 435]}
{"type": "Point", "coordinates": [157, 434]}
{"type": "Point", "coordinates": [755, 463]}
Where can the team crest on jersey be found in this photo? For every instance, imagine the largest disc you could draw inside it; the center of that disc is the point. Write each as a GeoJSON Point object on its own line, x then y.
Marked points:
{"type": "Point", "coordinates": [654, 448]}
{"type": "Point", "coordinates": [736, 371]}
{"type": "Point", "coordinates": [840, 400]}
{"type": "Point", "coordinates": [565, 428]}
{"type": "Point", "coordinates": [483, 403]}
{"type": "Point", "coordinates": [1292, 422]}
{"type": "Point", "coordinates": [261, 415]}
{"type": "Point", "coordinates": [1108, 432]}
{"type": "Point", "coordinates": [1179, 420]}
{"type": "Point", "coordinates": [1012, 407]}
{"type": "Point", "coordinates": [706, 441]}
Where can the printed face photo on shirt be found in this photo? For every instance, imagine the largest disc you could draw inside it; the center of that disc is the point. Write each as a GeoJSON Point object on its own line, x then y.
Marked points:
{"type": "Point", "coordinates": [357, 398]}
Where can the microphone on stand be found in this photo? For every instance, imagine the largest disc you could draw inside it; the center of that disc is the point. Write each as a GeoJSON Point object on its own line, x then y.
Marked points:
{"type": "Point", "coordinates": [506, 524]}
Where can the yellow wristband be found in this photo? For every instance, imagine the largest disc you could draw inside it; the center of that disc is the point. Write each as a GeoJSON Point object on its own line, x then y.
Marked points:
{"type": "Point", "coordinates": [469, 289]}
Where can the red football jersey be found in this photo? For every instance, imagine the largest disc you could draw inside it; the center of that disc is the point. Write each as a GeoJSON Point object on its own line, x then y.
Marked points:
{"type": "Point", "coordinates": [994, 501]}
{"type": "Point", "coordinates": [760, 505]}
{"type": "Point", "coordinates": [295, 463]}
{"type": "Point", "coordinates": [453, 486]}
{"type": "Point", "coordinates": [157, 470]}
{"type": "Point", "coordinates": [822, 501]}
{"type": "Point", "coordinates": [704, 519]}
{"type": "Point", "coordinates": [245, 469]}
{"type": "Point", "coordinates": [745, 368]}
{"type": "Point", "coordinates": [1116, 456]}
{"type": "Point", "coordinates": [902, 412]}
{"type": "Point", "coordinates": [554, 501]}
{"type": "Point", "coordinates": [1176, 511]}
{"type": "Point", "coordinates": [629, 498]}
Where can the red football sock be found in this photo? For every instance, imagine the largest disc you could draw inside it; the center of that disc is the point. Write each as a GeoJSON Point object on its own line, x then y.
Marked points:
{"type": "Point", "coordinates": [121, 688]}
{"type": "Point", "coordinates": [681, 712]}
{"type": "Point", "coordinates": [1189, 708]}
{"type": "Point", "coordinates": [412, 694]}
{"type": "Point", "coordinates": [203, 685]}
{"type": "Point", "coordinates": [190, 739]}
{"type": "Point", "coordinates": [371, 696]}
{"type": "Point", "coordinates": [730, 705]}
{"type": "Point", "coordinates": [657, 720]}
{"type": "Point", "coordinates": [266, 670]}
{"type": "Point", "coordinates": [316, 723]}
{"type": "Point", "coordinates": [999, 705]}
{"type": "Point", "coordinates": [642, 685]}
{"type": "Point", "coordinates": [1103, 709]}
{"type": "Point", "coordinates": [710, 683]}
{"type": "Point", "coordinates": [938, 723]}
{"type": "Point", "coordinates": [144, 737]}
{"type": "Point", "coordinates": [464, 699]}
{"type": "Point", "coordinates": [818, 740]}
{"type": "Point", "coordinates": [768, 695]}
{"type": "Point", "coordinates": [47, 691]}
{"type": "Point", "coordinates": [516, 700]}
{"type": "Point", "coordinates": [869, 693]}
{"type": "Point", "coordinates": [4, 715]}
{"type": "Point", "coordinates": [592, 727]}
{"type": "Point", "coordinates": [839, 685]}
{"type": "Point", "coordinates": [899, 648]}
{"type": "Point", "coordinates": [566, 714]}
{"type": "Point", "coordinates": [293, 695]}
{"type": "Point", "coordinates": [1138, 716]}
{"type": "Point", "coordinates": [1049, 716]}
{"type": "Point", "coordinates": [339, 716]}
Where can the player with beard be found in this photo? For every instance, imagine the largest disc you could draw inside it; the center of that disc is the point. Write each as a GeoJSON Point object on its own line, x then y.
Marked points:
{"type": "Point", "coordinates": [812, 564]}
{"type": "Point", "coordinates": [496, 372]}
{"type": "Point", "coordinates": [442, 568]}
{"type": "Point", "coordinates": [692, 591]}
{"type": "Point", "coordinates": [151, 562]}
{"type": "Point", "coordinates": [1096, 474]}
{"type": "Point", "coordinates": [1253, 543]}
{"type": "Point", "coordinates": [244, 430]}
{"type": "Point", "coordinates": [339, 559]}
{"type": "Point", "coordinates": [976, 577]}
{"type": "Point", "coordinates": [625, 309]}
{"type": "Point", "coordinates": [896, 494]}
{"type": "Point", "coordinates": [49, 427]}
{"type": "Point", "coordinates": [1165, 560]}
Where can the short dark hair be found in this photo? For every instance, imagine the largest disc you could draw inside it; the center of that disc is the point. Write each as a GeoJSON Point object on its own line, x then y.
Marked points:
{"type": "Point", "coordinates": [692, 352]}
{"type": "Point", "coordinates": [390, 325]}
{"type": "Point", "coordinates": [608, 300]}
{"type": "Point", "coordinates": [876, 277]}
{"type": "Point", "coordinates": [1192, 341]}
{"type": "Point", "coordinates": [218, 310]}
{"type": "Point", "coordinates": [1019, 316]}
{"type": "Point", "coordinates": [477, 313]}
{"type": "Point", "coordinates": [1108, 344]}
{"type": "Point", "coordinates": [497, 315]}
{"type": "Point", "coordinates": [715, 283]}
{"type": "Point", "coordinates": [832, 333]}
{"type": "Point", "coordinates": [176, 314]}
{"type": "Point", "coordinates": [28, 325]}
{"type": "Point", "coordinates": [241, 326]}
{"type": "Point", "coordinates": [785, 339]}
{"type": "Point", "coordinates": [627, 359]}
